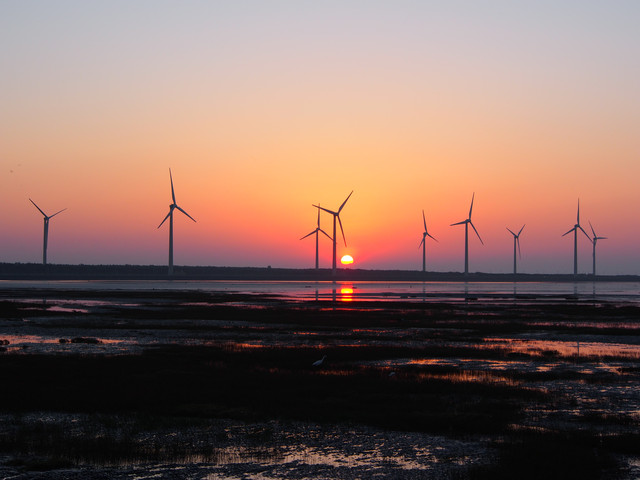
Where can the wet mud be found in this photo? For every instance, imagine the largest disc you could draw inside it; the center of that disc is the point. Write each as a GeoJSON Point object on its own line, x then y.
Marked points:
{"type": "Point", "coordinates": [191, 384]}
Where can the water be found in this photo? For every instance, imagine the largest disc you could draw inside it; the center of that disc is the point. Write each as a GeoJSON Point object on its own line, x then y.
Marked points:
{"type": "Point", "coordinates": [623, 292]}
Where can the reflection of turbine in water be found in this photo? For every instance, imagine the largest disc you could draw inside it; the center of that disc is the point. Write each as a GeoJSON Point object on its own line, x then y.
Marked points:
{"type": "Point", "coordinates": [595, 241]}
{"type": "Point", "coordinates": [466, 224]}
{"type": "Point", "coordinates": [46, 230]}
{"type": "Point", "coordinates": [516, 242]}
{"type": "Point", "coordinates": [575, 229]}
{"type": "Point", "coordinates": [172, 207]}
{"type": "Point", "coordinates": [316, 231]}
{"type": "Point", "coordinates": [336, 215]}
{"type": "Point", "coordinates": [423, 243]}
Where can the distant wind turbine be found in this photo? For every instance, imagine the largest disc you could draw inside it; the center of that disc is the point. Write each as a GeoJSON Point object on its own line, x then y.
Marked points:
{"type": "Point", "coordinates": [172, 207]}
{"type": "Point", "coordinates": [423, 243]}
{"type": "Point", "coordinates": [336, 215]}
{"type": "Point", "coordinates": [516, 242]}
{"type": "Point", "coordinates": [575, 229]}
{"type": "Point", "coordinates": [594, 241]}
{"type": "Point", "coordinates": [316, 231]}
{"type": "Point", "coordinates": [46, 230]}
{"type": "Point", "coordinates": [466, 224]}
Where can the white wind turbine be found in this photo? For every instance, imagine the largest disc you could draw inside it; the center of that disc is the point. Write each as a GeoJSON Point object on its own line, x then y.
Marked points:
{"type": "Point", "coordinates": [46, 230]}
{"type": "Point", "coordinates": [172, 207]}
{"type": "Point", "coordinates": [516, 242]}
{"type": "Point", "coordinates": [594, 241]}
{"type": "Point", "coordinates": [466, 224]}
{"type": "Point", "coordinates": [336, 215]}
{"type": "Point", "coordinates": [316, 231]}
{"type": "Point", "coordinates": [575, 229]}
{"type": "Point", "coordinates": [423, 243]}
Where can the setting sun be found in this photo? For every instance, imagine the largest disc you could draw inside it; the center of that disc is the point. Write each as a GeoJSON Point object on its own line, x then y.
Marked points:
{"type": "Point", "coordinates": [346, 260]}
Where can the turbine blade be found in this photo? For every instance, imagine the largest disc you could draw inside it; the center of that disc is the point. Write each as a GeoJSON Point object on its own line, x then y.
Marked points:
{"type": "Point", "coordinates": [578, 217]}
{"type": "Point", "coordinates": [57, 213]}
{"type": "Point", "coordinates": [430, 236]}
{"type": "Point", "coordinates": [185, 213]}
{"type": "Point", "coordinates": [424, 220]}
{"type": "Point", "coordinates": [326, 210]}
{"type": "Point", "coordinates": [518, 242]}
{"type": "Point", "coordinates": [594, 232]}
{"type": "Point", "coordinates": [318, 218]}
{"type": "Point", "coordinates": [173, 194]}
{"type": "Point", "coordinates": [421, 242]}
{"type": "Point", "coordinates": [309, 234]}
{"type": "Point", "coordinates": [511, 232]}
{"type": "Point", "coordinates": [474, 229]}
{"type": "Point", "coordinates": [342, 230]}
{"type": "Point", "coordinates": [569, 231]}
{"type": "Point", "coordinates": [459, 223]}
{"type": "Point", "coordinates": [521, 230]}
{"type": "Point", "coordinates": [471, 208]}
{"type": "Point", "coordinates": [34, 203]}
{"type": "Point", "coordinates": [585, 233]}
{"type": "Point", "coordinates": [165, 218]}
{"type": "Point", "coordinates": [341, 206]}
{"type": "Point", "coordinates": [328, 236]}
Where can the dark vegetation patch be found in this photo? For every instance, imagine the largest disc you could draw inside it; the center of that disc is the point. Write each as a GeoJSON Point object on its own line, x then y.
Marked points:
{"type": "Point", "coordinates": [253, 385]}
{"type": "Point", "coordinates": [549, 456]}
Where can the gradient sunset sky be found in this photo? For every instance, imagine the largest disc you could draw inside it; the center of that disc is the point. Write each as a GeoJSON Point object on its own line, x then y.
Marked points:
{"type": "Point", "coordinates": [263, 108]}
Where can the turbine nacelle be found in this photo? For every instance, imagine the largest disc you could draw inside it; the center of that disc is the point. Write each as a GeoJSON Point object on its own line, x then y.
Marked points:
{"type": "Point", "coordinates": [425, 234]}
{"type": "Point", "coordinates": [516, 239]}
{"type": "Point", "coordinates": [468, 220]}
{"type": "Point", "coordinates": [336, 216]}
{"type": "Point", "coordinates": [173, 205]}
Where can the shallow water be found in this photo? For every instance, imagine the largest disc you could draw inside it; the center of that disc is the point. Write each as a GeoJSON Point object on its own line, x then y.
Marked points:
{"type": "Point", "coordinates": [358, 291]}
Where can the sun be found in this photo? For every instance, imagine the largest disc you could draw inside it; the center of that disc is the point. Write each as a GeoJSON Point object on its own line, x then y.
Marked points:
{"type": "Point", "coordinates": [346, 260]}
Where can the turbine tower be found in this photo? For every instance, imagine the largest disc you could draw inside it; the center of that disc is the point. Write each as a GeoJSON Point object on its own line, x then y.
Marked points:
{"type": "Point", "coordinates": [594, 241]}
{"type": "Point", "coordinates": [516, 242]}
{"type": "Point", "coordinates": [423, 243]}
{"type": "Point", "coordinates": [336, 215]}
{"type": "Point", "coordinates": [46, 230]}
{"type": "Point", "coordinates": [466, 224]}
{"type": "Point", "coordinates": [172, 207]}
{"type": "Point", "coordinates": [316, 231]}
{"type": "Point", "coordinates": [575, 229]}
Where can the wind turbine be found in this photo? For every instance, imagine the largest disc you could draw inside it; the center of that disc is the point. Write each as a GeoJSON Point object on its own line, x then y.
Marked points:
{"type": "Point", "coordinates": [594, 241]}
{"type": "Point", "coordinates": [466, 224]}
{"type": "Point", "coordinates": [516, 242]}
{"type": "Point", "coordinates": [423, 243]}
{"type": "Point", "coordinates": [172, 207]}
{"type": "Point", "coordinates": [336, 215]}
{"type": "Point", "coordinates": [316, 231]}
{"type": "Point", "coordinates": [575, 229]}
{"type": "Point", "coordinates": [46, 230]}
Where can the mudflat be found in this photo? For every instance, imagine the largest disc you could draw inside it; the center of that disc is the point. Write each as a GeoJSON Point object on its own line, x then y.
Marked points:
{"type": "Point", "coordinates": [193, 384]}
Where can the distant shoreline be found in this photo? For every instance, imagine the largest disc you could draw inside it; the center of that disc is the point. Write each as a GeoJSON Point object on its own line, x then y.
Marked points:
{"type": "Point", "coordinates": [33, 271]}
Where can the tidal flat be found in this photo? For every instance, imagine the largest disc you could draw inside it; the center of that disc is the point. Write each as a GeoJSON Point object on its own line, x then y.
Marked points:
{"type": "Point", "coordinates": [205, 384]}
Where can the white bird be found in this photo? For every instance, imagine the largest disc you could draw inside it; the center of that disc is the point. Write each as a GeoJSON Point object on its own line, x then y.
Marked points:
{"type": "Point", "coordinates": [317, 363]}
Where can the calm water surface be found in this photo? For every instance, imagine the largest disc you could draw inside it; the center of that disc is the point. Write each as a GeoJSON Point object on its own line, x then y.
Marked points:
{"type": "Point", "coordinates": [407, 291]}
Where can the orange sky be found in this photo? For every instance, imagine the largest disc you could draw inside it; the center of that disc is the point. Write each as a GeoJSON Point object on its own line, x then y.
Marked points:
{"type": "Point", "coordinates": [262, 110]}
